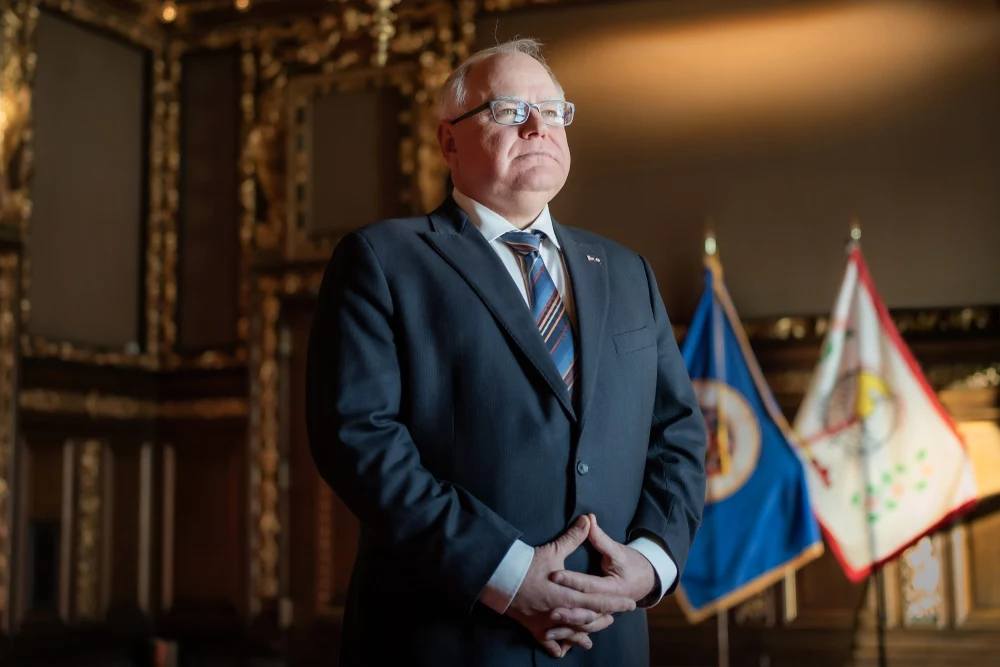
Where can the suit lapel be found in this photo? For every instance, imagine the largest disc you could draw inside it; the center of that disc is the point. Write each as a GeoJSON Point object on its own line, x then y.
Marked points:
{"type": "Point", "coordinates": [588, 278]}
{"type": "Point", "coordinates": [462, 245]}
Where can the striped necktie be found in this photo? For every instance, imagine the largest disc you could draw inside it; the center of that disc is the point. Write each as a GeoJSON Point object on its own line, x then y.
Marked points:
{"type": "Point", "coordinates": [547, 306]}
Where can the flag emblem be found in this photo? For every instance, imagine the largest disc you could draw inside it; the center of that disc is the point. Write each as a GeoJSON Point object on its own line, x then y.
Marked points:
{"type": "Point", "coordinates": [862, 412]}
{"type": "Point", "coordinates": [733, 438]}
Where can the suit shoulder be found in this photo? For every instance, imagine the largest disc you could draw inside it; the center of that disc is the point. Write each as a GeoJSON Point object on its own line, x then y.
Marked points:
{"type": "Point", "coordinates": [393, 229]}
{"type": "Point", "coordinates": [612, 248]}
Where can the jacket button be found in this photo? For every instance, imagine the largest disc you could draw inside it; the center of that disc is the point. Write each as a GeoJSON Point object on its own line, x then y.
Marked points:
{"type": "Point", "coordinates": [582, 467]}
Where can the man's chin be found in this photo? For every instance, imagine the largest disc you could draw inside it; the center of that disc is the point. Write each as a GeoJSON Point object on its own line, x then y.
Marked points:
{"type": "Point", "coordinates": [540, 181]}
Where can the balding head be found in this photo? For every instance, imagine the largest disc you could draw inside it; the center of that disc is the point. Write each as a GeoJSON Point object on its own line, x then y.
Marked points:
{"type": "Point", "coordinates": [514, 170]}
{"type": "Point", "coordinates": [454, 93]}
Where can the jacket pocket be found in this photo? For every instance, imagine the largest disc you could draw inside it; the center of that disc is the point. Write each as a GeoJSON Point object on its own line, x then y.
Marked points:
{"type": "Point", "coordinates": [637, 339]}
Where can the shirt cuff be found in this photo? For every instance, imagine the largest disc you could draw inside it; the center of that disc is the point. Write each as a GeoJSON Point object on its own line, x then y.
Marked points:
{"type": "Point", "coordinates": [507, 578]}
{"type": "Point", "coordinates": [663, 566]}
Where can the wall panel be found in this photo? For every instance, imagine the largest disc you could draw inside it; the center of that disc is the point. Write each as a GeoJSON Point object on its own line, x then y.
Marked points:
{"type": "Point", "coordinates": [85, 246]}
{"type": "Point", "coordinates": [209, 269]}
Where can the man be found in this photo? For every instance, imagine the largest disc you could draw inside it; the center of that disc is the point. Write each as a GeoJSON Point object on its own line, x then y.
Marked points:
{"type": "Point", "coordinates": [501, 402]}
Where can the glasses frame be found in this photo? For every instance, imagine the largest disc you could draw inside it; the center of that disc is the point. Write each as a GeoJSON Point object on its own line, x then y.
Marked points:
{"type": "Point", "coordinates": [491, 105]}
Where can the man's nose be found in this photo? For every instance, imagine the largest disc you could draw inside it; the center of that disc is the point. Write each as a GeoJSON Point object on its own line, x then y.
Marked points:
{"type": "Point", "coordinates": [534, 124]}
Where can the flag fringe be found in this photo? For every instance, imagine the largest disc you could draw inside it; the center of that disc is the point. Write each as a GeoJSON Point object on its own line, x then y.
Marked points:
{"type": "Point", "coordinates": [751, 588]}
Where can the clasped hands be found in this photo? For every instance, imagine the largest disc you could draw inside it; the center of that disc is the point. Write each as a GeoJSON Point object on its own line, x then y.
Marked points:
{"type": "Point", "coordinates": [560, 607]}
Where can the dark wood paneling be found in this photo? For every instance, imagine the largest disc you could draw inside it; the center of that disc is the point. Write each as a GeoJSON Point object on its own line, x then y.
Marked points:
{"type": "Point", "coordinates": [43, 493]}
{"type": "Point", "coordinates": [125, 526]}
{"type": "Point", "coordinates": [209, 260]}
{"type": "Point", "coordinates": [826, 599]}
{"type": "Point", "coordinates": [58, 375]}
{"type": "Point", "coordinates": [210, 514]}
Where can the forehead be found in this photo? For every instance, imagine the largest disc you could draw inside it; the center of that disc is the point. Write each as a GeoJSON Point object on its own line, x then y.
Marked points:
{"type": "Point", "coordinates": [511, 74]}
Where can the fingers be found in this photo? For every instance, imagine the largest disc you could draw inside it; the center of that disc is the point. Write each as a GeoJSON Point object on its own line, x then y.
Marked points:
{"type": "Point", "coordinates": [600, 539]}
{"type": "Point", "coordinates": [601, 603]}
{"type": "Point", "coordinates": [554, 648]}
{"type": "Point", "coordinates": [584, 620]}
{"type": "Point", "coordinates": [571, 635]}
{"type": "Point", "coordinates": [576, 535]}
{"type": "Point", "coordinates": [574, 617]}
{"type": "Point", "coordinates": [588, 583]}
{"type": "Point", "coordinates": [558, 649]}
{"type": "Point", "coordinates": [601, 623]}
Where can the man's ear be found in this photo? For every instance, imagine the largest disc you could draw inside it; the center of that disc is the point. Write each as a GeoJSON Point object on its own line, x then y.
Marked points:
{"type": "Point", "coordinates": [446, 140]}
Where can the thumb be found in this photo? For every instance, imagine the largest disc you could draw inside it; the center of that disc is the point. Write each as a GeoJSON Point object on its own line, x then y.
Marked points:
{"type": "Point", "coordinates": [601, 541]}
{"type": "Point", "coordinates": [573, 537]}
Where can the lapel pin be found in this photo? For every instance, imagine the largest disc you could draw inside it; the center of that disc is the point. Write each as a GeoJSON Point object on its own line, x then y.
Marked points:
{"type": "Point", "coordinates": [591, 258]}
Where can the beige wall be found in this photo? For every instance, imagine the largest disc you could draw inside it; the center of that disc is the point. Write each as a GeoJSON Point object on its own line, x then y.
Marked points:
{"type": "Point", "coordinates": [781, 120]}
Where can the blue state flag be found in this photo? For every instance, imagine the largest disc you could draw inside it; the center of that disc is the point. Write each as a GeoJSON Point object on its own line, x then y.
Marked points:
{"type": "Point", "coordinates": [758, 524]}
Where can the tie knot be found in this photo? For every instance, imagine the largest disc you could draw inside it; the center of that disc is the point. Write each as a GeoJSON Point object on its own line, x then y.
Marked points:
{"type": "Point", "coordinates": [523, 243]}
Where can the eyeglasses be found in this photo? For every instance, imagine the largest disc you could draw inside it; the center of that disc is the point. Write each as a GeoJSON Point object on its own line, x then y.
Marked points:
{"type": "Point", "coordinates": [515, 112]}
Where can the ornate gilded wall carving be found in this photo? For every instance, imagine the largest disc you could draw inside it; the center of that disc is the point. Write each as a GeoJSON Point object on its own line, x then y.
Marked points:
{"type": "Point", "coordinates": [89, 528]}
{"type": "Point", "coordinates": [922, 574]}
{"type": "Point", "coordinates": [264, 434]}
{"type": "Point", "coordinates": [116, 407]}
{"type": "Point", "coordinates": [18, 19]}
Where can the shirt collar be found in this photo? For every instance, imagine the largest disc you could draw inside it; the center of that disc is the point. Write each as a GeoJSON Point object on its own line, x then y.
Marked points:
{"type": "Point", "coordinates": [492, 225]}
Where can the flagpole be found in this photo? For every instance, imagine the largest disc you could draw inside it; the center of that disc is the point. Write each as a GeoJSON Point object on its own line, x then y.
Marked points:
{"type": "Point", "coordinates": [880, 620]}
{"type": "Point", "coordinates": [722, 616]}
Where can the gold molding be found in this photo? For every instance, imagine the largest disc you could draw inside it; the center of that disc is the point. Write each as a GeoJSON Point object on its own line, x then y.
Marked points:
{"type": "Point", "coordinates": [17, 67]}
{"type": "Point", "coordinates": [941, 377]}
{"type": "Point", "coordinates": [248, 181]}
{"type": "Point", "coordinates": [8, 432]}
{"type": "Point", "coordinates": [264, 450]}
{"type": "Point", "coordinates": [509, 5]}
{"type": "Point", "coordinates": [110, 406]}
{"type": "Point", "coordinates": [382, 30]}
{"type": "Point", "coordinates": [161, 302]}
{"type": "Point", "coordinates": [18, 19]}
{"type": "Point", "coordinates": [89, 471]}
{"type": "Point", "coordinates": [265, 445]}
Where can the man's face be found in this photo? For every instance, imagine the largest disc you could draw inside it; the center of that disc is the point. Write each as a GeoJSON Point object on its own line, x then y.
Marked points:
{"type": "Point", "coordinates": [488, 161]}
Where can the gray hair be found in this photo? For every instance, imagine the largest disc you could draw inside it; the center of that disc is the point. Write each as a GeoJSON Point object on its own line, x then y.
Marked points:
{"type": "Point", "coordinates": [454, 94]}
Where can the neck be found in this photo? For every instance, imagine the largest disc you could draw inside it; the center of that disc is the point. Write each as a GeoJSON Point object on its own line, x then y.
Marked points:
{"type": "Point", "coordinates": [519, 208]}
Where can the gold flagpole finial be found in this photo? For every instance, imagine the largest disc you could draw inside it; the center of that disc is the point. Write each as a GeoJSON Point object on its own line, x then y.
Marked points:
{"type": "Point", "coordinates": [855, 234]}
{"type": "Point", "coordinates": [710, 245]}
{"type": "Point", "coordinates": [712, 249]}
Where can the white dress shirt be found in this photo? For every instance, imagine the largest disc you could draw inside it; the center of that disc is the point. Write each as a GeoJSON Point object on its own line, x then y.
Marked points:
{"type": "Point", "coordinates": [506, 580]}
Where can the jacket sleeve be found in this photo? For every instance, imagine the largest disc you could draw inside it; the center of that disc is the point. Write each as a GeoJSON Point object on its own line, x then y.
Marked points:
{"type": "Point", "coordinates": [363, 451]}
{"type": "Point", "coordinates": [673, 491]}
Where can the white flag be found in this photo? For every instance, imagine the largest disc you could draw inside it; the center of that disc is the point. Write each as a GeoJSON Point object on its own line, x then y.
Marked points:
{"type": "Point", "coordinates": [884, 462]}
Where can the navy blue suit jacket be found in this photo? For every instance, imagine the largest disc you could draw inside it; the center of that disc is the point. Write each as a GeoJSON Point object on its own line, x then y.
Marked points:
{"type": "Point", "coordinates": [435, 412]}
